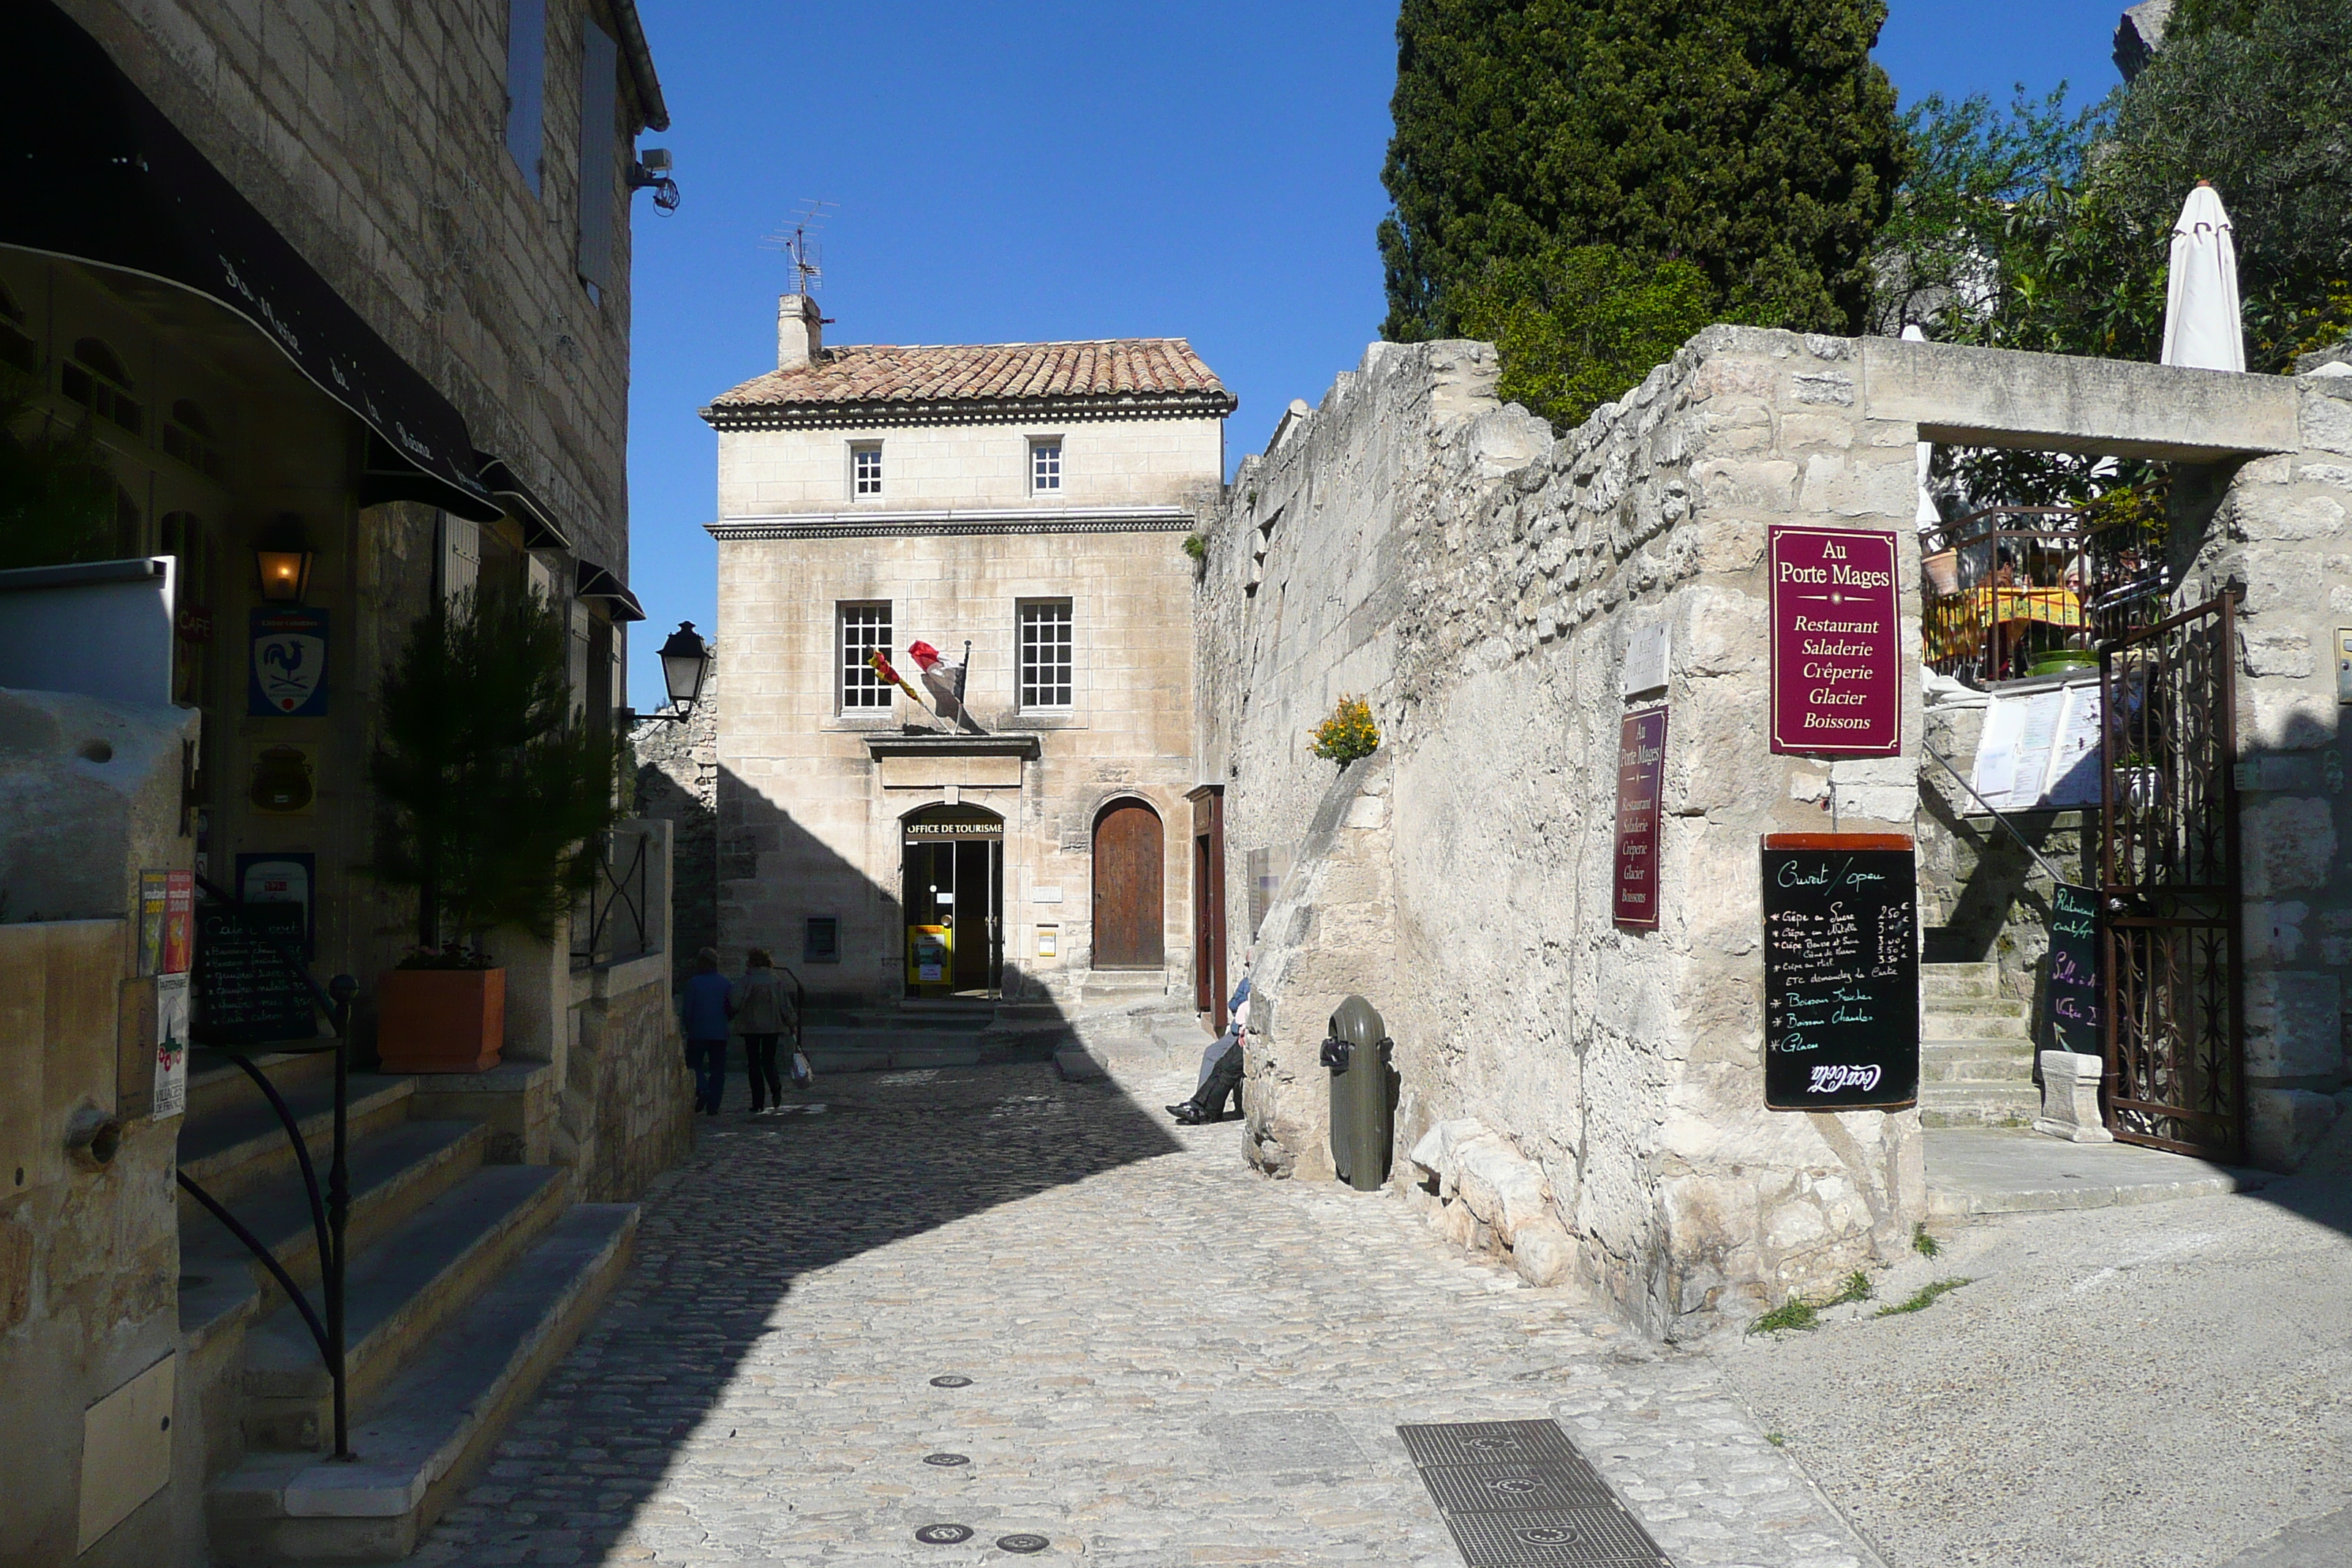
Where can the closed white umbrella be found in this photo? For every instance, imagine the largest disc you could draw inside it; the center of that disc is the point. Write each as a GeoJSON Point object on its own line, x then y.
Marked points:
{"type": "Point", "coordinates": [2201, 326]}
{"type": "Point", "coordinates": [1928, 516]}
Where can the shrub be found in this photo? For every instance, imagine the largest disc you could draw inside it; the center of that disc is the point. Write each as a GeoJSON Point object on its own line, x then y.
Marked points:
{"type": "Point", "coordinates": [1350, 733]}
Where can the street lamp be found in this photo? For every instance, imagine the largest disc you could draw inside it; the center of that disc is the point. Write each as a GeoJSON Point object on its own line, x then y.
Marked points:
{"type": "Point", "coordinates": [282, 558]}
{"type": "Point", "coordinates": [685, 661]}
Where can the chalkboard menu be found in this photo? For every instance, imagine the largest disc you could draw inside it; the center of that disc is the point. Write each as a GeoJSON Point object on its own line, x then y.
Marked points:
{"type": "Point", "coordinates": [248, 990]}
{"type": "Point", "coordinates": [2075, 997]}
{"type": "Point", "coordinates": [1841, 972]}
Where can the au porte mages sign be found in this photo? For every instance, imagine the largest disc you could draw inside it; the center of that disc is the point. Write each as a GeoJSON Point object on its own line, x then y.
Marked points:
{"type": "Point", "coordinates": [1641, 781]}
{"type": "Point", "coordinates": [1837, 681]}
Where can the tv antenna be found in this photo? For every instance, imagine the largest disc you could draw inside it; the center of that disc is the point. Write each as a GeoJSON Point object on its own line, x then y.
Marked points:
{"type": "Point", "coordinates": [799, 244]}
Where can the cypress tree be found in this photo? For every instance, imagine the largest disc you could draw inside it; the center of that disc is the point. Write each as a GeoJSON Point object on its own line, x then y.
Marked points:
{"type": "Point", "coordinates": [1752, 139]}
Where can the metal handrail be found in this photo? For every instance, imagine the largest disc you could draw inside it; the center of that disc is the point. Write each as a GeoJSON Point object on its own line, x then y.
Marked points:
{"type": "Point", "coordinates": [330, 1216]}
{"type": "Point", "coordinates": [615, 892]}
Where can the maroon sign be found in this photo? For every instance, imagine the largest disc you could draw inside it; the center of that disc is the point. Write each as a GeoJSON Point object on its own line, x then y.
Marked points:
{"type": "Point", "coordinates": [1641, 780]}
{"type": "Point", "coordinates": [1837, 666]}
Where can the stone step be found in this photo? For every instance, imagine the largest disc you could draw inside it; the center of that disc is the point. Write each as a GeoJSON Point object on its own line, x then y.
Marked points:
{"type": "Point", "coordinates": [2013, 1026]}
{"type": "Point", "coordinates": [1972, 1007]}
{"type": "Point", "coordinates": [215, 1082]}
{"type": "Point", "coordinates": [1967, 1064]}
{"type": "Point", "coordinates": [1978, 1104]}
{"type": "Point", "coordinates": [240, 1143]}
{"type": "Point", "coordinates": [888, 1053]}
{"type": "Point", "coordinates": [396, 1294]}
{"type": "Point", "coordinates": [393, 1173]}
{"type": "Point", "coordinates": [432, 1426]}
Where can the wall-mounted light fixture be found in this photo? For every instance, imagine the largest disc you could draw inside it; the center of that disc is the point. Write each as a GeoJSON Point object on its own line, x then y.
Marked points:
{"type": "Point", "coordinates": [282, 559]}
{"type": "Point", "coordinates": [685, 661]}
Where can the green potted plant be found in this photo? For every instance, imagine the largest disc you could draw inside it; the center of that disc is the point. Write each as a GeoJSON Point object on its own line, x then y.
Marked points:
{"type": "Point", "coordinates": [494, 797]}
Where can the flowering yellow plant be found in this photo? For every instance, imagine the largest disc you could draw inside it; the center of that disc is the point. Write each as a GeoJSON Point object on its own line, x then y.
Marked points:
{"type": "Point", "coordinates": [1348, 733]}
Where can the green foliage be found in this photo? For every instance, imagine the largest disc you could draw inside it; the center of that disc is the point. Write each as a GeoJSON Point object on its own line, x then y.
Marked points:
{"type": "Point", "coordinates": [1578, 326]}
{"type": "Point", "coordinates": [1776, 1440]}
{"type": "Point", "coordinates": [494, 798]}
{"type": "Point", "coordinates": [1923, 1244]}
{"type": "Point", "coordinates": [1925, 1298]}
{"type": "Point", "coordinates": [1196, 547]}
{"type": "Point", "coordinates": [1795, 1313]}
{"type": "Point", "coordinates": [1348, 734]}
{"type": "Point", "coordinates": [1856, 1288]}
{"type": "Point", "coordinates": [1752, 139]}
{"type": "Point", "coordinates": [57, 493]}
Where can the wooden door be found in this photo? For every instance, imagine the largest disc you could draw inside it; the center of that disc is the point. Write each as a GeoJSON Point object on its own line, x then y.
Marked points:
{"type": "Point", "coordinates": [1128, 898]}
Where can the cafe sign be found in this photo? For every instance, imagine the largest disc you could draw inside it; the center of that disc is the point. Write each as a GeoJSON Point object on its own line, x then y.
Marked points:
{"type": "Point", "coordinates": [1837, 666]}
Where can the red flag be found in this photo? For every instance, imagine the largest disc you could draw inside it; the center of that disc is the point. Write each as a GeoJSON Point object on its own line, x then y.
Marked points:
{"type": "Point", "coordinates": [944, 676]}
{"type": "Point", "coordinates": [880, 661]}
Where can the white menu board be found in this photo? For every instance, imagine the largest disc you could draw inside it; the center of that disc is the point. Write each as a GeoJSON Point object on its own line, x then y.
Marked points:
{"type": "Point", "coordinates": [2040, 749]}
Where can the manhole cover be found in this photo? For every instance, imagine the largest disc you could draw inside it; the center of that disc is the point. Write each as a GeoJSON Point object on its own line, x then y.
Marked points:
{"type": "Point", "coordinates": [943, 1534]}
{"type": "Point", "coordinates": [951, 1381]}
{"type": "Point", "coordinates": [1022, 1544]}
{"type": "Point", "coordinates": [946, 1461]}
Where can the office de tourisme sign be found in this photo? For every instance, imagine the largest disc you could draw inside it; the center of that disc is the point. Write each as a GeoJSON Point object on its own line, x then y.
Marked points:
{"type": "Point", "coordinates": [1837, 680]}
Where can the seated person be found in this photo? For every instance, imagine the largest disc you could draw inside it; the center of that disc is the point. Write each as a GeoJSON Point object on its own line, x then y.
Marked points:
{"type": "Point", "coordinates": [1221, 1067]}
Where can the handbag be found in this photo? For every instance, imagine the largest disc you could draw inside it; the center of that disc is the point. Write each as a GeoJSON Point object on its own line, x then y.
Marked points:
{"type": "Point", "coordinates": [802, 1074]}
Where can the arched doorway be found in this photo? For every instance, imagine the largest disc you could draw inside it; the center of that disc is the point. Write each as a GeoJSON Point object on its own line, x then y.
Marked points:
{"type": "Point", "coordinates": [1129, 899]}
{"type": "Point", "coordinates": [952, 871]}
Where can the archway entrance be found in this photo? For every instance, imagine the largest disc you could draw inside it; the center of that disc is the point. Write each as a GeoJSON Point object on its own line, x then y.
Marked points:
{"type": "Point", "coordinates": [952, 871]}
{"type": "Point", "coordinates": [1129, 899]}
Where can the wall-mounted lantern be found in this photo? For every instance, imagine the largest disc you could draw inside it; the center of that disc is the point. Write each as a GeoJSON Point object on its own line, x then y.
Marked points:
{"type": "Point", "coordinates": [281, 560]}
{"type": "Point", "coordinates": [685, 661]}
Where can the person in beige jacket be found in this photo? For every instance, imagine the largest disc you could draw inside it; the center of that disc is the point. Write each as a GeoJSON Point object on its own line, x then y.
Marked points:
{"type": "Point", "coordinates": [763, 1011]}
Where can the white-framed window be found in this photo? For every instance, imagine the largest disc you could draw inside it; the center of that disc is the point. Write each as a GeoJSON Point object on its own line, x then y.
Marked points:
{"type": "Point", "coordinates": [1046, 661]}
{"type": "Point", "coordinates": [866, 470]}
{"type": "Point", "coordinates": [1045, 465]}
{"type": "Point", "coordinates": [864, 630]}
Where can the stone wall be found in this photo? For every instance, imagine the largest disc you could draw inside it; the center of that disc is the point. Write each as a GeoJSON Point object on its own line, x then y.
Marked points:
{"type": "Point", "coordinates": [2279, 530]}
{"type": "Point", "coordinates": [1478, 581]}
{"type": "Point", "coordinates": [678, 782]}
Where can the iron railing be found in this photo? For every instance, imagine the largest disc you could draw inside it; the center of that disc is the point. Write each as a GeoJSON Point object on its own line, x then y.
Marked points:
{"type": "Point", "coordinates": [612, 925]}
{"type": "Point", "coordinates": [330, 1213]}
{"type": "Point", "coordinates": [2007, 586]}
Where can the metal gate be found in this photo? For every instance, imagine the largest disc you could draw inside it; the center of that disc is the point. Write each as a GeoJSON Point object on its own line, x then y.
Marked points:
{"type": "Point", "coordinates": [2176, 1009]}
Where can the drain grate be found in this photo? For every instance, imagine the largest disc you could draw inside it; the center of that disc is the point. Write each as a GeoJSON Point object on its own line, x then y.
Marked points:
{"type": "Point", "coordinates": [943, 1534]}
{"type": "Point", "coordinates": [947, 1461]}
{"type": "Point", "coordinates": [951, 1380]}
{"type": "Point", "coordinates": [1517, 1494]}
{"type": "Point", "coordinates": [1024, 1543]}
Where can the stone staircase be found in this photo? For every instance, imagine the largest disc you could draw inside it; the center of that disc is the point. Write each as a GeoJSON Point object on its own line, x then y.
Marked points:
{"type": "Point", "coordinates": [1976, 1050]}
{"type": "Point", "coordinates": [465, 1282]}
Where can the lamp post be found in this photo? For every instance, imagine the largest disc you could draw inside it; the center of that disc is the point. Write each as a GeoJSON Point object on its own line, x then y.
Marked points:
{"type": "Point", "coordinates": [685, 662]}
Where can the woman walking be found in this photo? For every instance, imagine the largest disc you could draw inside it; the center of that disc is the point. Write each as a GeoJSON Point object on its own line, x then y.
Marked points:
{"type": "Point", "coordinates": [763, 1012]}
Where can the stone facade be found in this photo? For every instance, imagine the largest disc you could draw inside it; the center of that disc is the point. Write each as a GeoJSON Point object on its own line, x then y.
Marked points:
{"type": "Point", "coordinates": [815, 792]}
{"type": "Point", "coordinates": [678, 782]}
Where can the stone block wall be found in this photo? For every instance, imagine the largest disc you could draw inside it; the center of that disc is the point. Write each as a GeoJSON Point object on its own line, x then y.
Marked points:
{"type": "Point", "coordinates": [2279, 530]}
{"type": "Point", "coordinates": [1478, 581]}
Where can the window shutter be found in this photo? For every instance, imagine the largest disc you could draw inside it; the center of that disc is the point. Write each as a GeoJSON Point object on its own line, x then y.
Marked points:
{"type": "Point", "coordinates": [600, 87]}
{"type": "Point", "coordinates": [527, 86]}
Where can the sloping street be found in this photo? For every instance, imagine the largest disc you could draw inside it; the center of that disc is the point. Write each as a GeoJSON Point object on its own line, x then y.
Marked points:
{"type": "Point", "coordinates": [1172, 1360]}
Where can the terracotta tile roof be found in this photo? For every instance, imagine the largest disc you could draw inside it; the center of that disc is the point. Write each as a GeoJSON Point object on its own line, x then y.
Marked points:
{"type": "Point", "coordinates": [861, 381]}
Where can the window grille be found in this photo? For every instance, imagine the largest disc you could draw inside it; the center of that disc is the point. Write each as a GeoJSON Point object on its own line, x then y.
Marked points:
{"type": "Point", "coordinates": [1046, 664]}
{"type": "Point", "coordinates": [864, 630]}
{"type": "Point", "coordinates": [821, 940]}
{"type": "Point", "coordinates": [1045, 466]}
{"type": "Point", "coordinates": [865, 470]}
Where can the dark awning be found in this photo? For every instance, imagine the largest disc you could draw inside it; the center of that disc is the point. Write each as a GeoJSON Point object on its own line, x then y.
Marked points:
{"type": "Point", "coordinates": [596, 583]}
{"type": "Point", "coordinates": [97, 173]}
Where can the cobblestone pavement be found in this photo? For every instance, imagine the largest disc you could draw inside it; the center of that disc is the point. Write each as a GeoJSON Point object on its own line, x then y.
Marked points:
{"type": "Point", "coordinates": [1173, 1361]}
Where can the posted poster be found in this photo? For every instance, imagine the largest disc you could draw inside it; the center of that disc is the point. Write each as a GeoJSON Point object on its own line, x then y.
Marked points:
{"type": "Point", "coordinates": [283, 878]}
{"type": "Point", "coordinates": [1837, 661]}
{"type": "Point", "coordinates": [286, 676]}
{"type": "Point", "coordinates": [170, 1046]}
{"type": "Point", "coordinates": [153, 904]}
{"type": "Point", "coordinates": [1641, 784]}
{"type": "Point", "coordinates": [179, 922]}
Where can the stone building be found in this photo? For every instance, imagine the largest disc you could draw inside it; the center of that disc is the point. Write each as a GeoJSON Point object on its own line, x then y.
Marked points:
{"type": "Point", "coordinates": [339, 299]}
{"type": "Point", "coordinates": [1587, 1095]}
{"type": "Point", "coordinates": [1023, 509]}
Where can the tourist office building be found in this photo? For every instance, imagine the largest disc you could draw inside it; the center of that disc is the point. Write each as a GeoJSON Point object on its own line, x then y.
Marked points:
{"type": "Point", "coordinates": [956, 744]}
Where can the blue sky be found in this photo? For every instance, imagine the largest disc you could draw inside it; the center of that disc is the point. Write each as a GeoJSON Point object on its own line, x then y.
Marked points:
{"type": "Point", "coordinates": [1017, 171]}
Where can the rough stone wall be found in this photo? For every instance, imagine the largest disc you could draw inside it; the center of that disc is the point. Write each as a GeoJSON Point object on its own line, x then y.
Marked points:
{"type": "Point", "coordinates": [628, 1106]}
{"type": "Point", "coordinates": [678, 782]}
{"type": "Point", "coordinates": [2281, 530]}
{"type": "Point", "coordinates": [1478, 581]}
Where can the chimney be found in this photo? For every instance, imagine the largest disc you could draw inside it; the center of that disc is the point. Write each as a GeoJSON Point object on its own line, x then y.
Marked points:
{"type": "Point", "coordinates": [800, 331]}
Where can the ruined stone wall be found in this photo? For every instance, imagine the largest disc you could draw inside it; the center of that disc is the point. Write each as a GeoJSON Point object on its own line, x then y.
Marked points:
{"type": "Point", "coordinates": [2280, 530]}
{"type": "Point", "coordinates": [1478, 581]}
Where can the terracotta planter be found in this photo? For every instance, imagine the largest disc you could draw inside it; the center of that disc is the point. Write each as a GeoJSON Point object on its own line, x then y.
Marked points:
{"type": "Point", "coordinates": [440, 1020]}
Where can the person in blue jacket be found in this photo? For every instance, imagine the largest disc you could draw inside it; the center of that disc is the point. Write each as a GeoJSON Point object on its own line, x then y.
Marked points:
{"type": "Point", "coordinates": [1221, 1064]}
{"type": "Point", "coordinates": [704, 1008]}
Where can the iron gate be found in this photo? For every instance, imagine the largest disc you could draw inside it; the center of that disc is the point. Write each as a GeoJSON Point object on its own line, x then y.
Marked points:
{"type": "Point", "coordinates": [2176, 1009]}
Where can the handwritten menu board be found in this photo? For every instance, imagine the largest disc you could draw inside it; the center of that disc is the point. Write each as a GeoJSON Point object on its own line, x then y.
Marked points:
{"type": "Point", "coordinates": [2075, 997]}
{"type": "Point", "coordinates": [1640, 783]}
{"type": "Point", "coordinates": [247, 991]}
{"type": "Point", "coordinates": [1841, 972]}
{"type": "Point", "coordinates": [1837, 657]}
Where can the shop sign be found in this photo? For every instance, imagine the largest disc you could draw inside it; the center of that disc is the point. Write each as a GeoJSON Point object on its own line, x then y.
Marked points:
{"type": "Point", "coordinates": [2074, 980]}
{"type": "Point", "coordinates": [1641, 784]}
{"type": "Point", "coordinates": [1837, 664]}
{"type": "Point", "coordinates": [287, 672]}
{"type": "Point", "coordinates": [170, 1093]}
{"type": "Point", "coordinates": [932, 832]}
{"type": "Point", "coordinates": [1841, 971]}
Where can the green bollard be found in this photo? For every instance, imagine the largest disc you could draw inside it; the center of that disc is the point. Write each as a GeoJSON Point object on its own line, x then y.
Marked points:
{"type": "Point", "coordinates": [1357, 1052]}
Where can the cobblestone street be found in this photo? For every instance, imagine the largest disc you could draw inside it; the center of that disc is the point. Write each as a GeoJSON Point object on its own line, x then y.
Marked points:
{"type": "Point", "coordinates": [1172, 1360]}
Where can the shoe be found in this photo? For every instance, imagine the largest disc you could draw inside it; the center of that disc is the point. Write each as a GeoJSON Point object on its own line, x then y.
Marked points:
{"type": "Point", "coordinates": [1189, 1114]}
